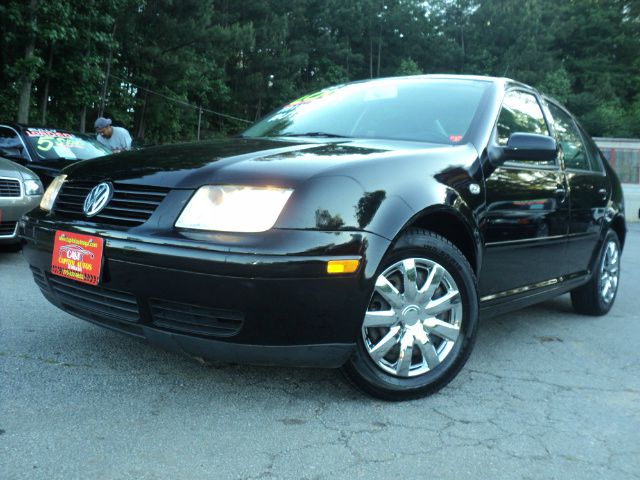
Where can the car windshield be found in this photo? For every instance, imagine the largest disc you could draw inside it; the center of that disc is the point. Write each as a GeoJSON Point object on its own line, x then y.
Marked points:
{"type": "Point", "coordinates": [418, 109]}
{"type": "Point", "coordinates": [54, 144]}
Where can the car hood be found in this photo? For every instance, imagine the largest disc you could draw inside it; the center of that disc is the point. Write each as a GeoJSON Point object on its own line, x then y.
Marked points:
{"type": "Point", "coordinates": [234, 160]}
{"type": "Point", "coordinates": [54, 165]}
{"type": "Point", "coordinates": [11, 169]}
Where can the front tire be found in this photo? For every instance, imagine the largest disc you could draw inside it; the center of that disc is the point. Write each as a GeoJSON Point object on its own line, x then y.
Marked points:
{"type": "Point", "coordinates": [597, 296]}
{"type": "Point", "coordinates": [421, 321]}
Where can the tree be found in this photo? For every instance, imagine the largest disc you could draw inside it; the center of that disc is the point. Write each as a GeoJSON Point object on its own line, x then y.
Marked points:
{"type": "Point", "coordinates": [164, 68]}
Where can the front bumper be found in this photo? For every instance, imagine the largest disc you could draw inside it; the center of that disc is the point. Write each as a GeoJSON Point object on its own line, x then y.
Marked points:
{"type": "Point", "coordinates": [261, 299]}
{"type": "Point", "coordinates": [11, 209]}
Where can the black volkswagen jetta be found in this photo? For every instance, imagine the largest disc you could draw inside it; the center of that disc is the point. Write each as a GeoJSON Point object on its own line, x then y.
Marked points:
{"type": "Point", "coordinates": [366, 226]}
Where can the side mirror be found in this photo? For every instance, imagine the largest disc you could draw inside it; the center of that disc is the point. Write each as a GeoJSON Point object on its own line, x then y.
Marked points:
{"type": "Point", "coordinates": [525, 147]}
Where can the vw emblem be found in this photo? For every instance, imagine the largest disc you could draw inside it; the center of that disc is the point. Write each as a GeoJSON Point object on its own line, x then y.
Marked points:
{"type": "Point", "coordinates": [97, 199]}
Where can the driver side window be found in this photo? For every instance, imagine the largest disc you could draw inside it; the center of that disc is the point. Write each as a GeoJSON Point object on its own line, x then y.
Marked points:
{"type": "Point", "coordinates": [521, 112]}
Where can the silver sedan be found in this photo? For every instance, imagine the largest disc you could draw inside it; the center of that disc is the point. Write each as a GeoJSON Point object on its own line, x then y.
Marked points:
{"type": "Point", "coordinates": [20, 191]}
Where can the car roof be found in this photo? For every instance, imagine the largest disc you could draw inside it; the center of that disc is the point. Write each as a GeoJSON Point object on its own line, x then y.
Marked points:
{"type": "Point", "coordinates": [502, 83]}
{"type": "Point", "coordinates": [453, 76]}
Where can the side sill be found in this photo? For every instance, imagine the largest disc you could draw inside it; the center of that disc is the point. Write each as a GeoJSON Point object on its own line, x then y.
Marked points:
{"type": "Point", "coordinates": [518, 298]}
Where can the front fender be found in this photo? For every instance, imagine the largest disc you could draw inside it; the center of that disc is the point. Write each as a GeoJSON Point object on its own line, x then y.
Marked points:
{"type": "Point", "coordinates": [339, 202]}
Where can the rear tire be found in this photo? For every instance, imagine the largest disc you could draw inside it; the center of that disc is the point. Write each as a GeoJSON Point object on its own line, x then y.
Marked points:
{"type": "Point", "coordinates": [421, 320]}
{"type": "Point", "coordinates": [597, 296]}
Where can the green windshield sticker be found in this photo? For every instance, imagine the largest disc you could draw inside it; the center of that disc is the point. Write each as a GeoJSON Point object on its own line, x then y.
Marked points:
{"type": "Point", "coordinates": [312, 96]}
{"type": "Point", "coordinates": [45, 144]}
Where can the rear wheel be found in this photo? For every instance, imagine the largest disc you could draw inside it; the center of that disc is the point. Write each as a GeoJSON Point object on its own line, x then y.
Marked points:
{"type": "Point", "coordinates": [421, 321]}
{"type": "Point", "coordinates": [597, 296]}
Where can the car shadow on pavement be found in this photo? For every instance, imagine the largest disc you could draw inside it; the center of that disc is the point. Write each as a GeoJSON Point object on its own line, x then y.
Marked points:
{"type": "Point", "coordinates": [73, 343]}
{"type": "Point", "coordinates": [10, 248]}
{"type": "Point", "coordinates": [101, 352]}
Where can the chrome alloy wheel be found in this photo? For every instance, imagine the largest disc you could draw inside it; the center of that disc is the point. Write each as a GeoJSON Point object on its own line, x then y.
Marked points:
{"type": "Point", "coordinates": [414, 317]}
{"type": "Point", "coordinates": [609, 272]}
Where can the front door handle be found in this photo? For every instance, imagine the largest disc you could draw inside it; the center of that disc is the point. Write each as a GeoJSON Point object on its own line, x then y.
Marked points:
{"type": "Point", "coordinates": [561, 193]}
{"type": "Point", "coordinates": [603, 193]}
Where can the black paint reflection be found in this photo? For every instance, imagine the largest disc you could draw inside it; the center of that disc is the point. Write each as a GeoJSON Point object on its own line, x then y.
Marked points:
{"type": "Point", "coordinates": [173, 158]}
{"type": "Point", "coordinates": [321, 151]}
{"type": "Point", "coordinates": [326, 221]}
{"type": "Point", "coordinates": [524, 205]}
{"type": "Point", "coordinates": [368, 206]}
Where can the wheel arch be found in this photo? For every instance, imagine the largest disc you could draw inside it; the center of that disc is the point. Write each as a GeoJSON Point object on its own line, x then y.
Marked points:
{"type": "Point", "coordinates": [450, 224]}
{"type": "Point", "coordinates": [619, 226]}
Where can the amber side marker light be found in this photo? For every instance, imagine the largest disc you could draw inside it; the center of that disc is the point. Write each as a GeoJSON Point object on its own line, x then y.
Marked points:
{"type": "Point", "coordinates": [342, 266]}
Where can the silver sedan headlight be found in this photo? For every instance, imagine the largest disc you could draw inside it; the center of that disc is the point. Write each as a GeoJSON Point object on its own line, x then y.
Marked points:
{"type": "Point", "coordinates": [33, 187]}
{"type": "Point", "coordinates": [234, 208]}
{"type": "Point", "coordinates": [49, 197]}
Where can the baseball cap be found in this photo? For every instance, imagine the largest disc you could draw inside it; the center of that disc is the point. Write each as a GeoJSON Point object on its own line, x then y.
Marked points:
{"type": "Point", "coordinates": [102, 123]}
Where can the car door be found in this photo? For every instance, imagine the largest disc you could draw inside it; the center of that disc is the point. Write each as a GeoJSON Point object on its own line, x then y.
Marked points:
{"type": "Point", "coordinates": [588, 188]}
{"type": "Point", "coordinates": [525, 223]}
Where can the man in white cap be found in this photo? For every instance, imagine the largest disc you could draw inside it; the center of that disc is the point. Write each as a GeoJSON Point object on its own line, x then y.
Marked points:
{"type": "Point", "coordinates": [115, 139]}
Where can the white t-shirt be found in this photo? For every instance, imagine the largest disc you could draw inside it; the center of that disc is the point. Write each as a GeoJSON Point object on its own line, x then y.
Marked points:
{"type": "Point", "coordinates": [119, 140]}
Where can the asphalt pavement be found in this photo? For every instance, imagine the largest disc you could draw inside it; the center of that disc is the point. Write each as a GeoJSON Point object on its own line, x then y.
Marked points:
{"type": "Point", "coordinates": [546, 394]}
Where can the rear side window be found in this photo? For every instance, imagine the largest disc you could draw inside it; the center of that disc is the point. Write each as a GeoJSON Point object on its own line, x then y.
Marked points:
{"type": "Point", "coordinates": [9, 138]}
{"type": "Point", "coordinates": [595, 158]}
{"type": "Point", "coordinates": [570, 142]}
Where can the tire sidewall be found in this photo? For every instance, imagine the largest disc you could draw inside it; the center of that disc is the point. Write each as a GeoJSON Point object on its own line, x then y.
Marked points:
{"type": "Point", "coordinates": [431, 247]}
{"type": "Point", "coordinates": [602, 305]}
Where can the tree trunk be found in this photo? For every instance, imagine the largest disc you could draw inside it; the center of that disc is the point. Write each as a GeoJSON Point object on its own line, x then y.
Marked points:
{"type": "Point", "coordinates": [45, 94]}
{"type": "Point", "coordinates": [103, 99]}
{"type": "Point", "coordinates": [348, 56]}
{"type": "Point", "coordinates": [462, 46]}
{"type": "Point", "coordinates": [83, 119]}
{"type": "Point", "coordinates": [26, 81]}
{"type": "Point", "coordinates": [379, 53]}
{"type": "Point", "coordinates": [140, 130]}
{"type": "Point", "coordinates": [370, 56]}
{"type": "Point", "coordinates": [259, 108]}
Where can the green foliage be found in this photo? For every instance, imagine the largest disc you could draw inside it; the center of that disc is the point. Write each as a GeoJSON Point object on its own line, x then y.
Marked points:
{"type": "Point", "coordinates": [610, 119]}
{"type": "Point", "coordinates": [556, 84]}
{"type": "Point", "coordinates": [167, 58]}
{"type": "Point", "coordinates": [408, 67]}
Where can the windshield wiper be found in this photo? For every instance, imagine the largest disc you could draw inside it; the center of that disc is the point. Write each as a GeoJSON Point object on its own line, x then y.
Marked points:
{"type": "Point", "coordinates": [315, 134]}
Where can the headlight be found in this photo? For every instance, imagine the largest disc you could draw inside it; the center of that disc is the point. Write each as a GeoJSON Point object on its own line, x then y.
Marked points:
{"type": "Point", "coordinates": [50, 195]}
{"type": "Point", "coordinates": [234, 208]}
{"type": "Point", "coordinates": [33, 187]}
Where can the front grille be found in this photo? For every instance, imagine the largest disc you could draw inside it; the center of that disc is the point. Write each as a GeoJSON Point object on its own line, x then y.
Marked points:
{"type": "Point", "coordinates": [92, 301]}
{"type": "Point", "coordinates": [131, 205]}
{"type": "Point", "coordinates": [195, 319]}
{"type": "Point", "coordinates": [9, 188]}
{"type": "Point", "coordinates": [7, 228]}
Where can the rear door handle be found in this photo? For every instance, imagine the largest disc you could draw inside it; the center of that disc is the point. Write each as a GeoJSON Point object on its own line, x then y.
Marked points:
{"type": "Point", "coordinates": [561, 193]}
